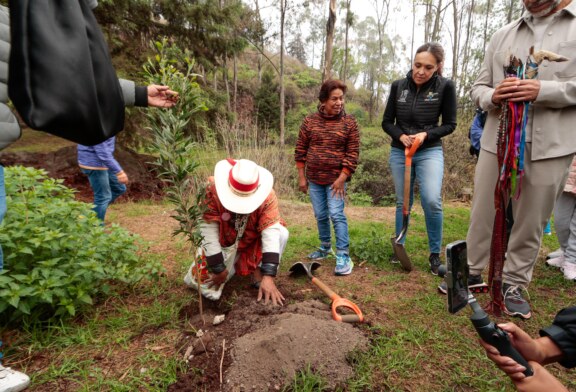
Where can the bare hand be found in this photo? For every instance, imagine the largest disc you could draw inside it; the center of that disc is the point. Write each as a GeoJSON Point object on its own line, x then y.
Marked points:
{"type": "Point", "coordinates": [338, 189]}
{"type": "Point", "coordinates": [122, 177]}
{"type": "Point", "coordinates": [161, 96]}
{"type": "Point", "coordinates": [405, 140]}
{"type": "Point", "coordinates": [421, 136]}
{"type": "Point", "coordinates": [269, 291]}
{"type": "Point", "coordinates": [303, 185]}
{"type": "Point", "coordinates": [516, 90]}
{"type": "Point", "coordinates": [216, 280]}
{"type": "Point", "coordinates": [542, 380]}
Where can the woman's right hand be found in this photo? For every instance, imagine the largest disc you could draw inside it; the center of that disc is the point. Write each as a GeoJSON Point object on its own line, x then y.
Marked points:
{"type": "Point", "coordinates": [303, 184]}
{"type": "Point", "coordinates": [406, 140]}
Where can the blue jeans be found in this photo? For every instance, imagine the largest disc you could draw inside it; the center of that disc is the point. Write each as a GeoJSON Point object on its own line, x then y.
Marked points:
{"type": "Point", "coordinates": [106, 189]}
{"type": "Point", "coordinates": [428, 170]}
{"type": "Point", "coordinates": [326, 209]}
{"type": "Point", "coordinates": [2, 210]}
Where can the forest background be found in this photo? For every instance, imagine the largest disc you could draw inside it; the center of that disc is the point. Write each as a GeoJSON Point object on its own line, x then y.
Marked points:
{"type": "Point", "coordinates": [257, 67]}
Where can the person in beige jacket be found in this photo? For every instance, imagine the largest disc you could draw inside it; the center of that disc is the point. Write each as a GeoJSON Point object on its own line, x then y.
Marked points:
{"type": "Point", "coordinates": [565, 224]}
{"type": "Point", "coordinates": [550, 142]}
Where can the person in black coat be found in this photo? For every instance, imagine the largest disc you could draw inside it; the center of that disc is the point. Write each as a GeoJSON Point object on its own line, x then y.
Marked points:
{"type": "Point", "coordinates": [413, 112]}
{"type": "Point", "coordinates": [557, 343]}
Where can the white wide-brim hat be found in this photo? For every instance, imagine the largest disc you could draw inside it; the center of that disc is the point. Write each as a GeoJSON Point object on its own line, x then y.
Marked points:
{"type": "Point", "coordinates": [242, 185]}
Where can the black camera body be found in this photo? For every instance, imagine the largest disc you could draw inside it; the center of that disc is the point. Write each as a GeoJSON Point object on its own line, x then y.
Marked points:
{"type": "Point", "coordinates": [456, 276]}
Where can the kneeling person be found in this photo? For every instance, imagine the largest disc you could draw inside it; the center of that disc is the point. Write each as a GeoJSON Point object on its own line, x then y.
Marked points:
{"type": "Point", "coordinates": [242, 229]}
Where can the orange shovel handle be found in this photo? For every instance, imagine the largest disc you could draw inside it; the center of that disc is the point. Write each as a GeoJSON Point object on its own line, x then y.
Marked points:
{"type": "Point", "coordinates": [338, 302]}
{"type": "Point", "coordinates": [331, 294]}
{"type": "Point", "coordinates": [408, 154]}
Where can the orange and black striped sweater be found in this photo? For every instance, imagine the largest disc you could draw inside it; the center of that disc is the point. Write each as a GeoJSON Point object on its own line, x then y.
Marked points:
{"type": "Point", "coordinates": [328, 146]}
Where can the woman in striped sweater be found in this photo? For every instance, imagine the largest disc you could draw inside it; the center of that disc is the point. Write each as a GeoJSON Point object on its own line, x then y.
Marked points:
{"type": "Point", "coordinates": [326, 156]}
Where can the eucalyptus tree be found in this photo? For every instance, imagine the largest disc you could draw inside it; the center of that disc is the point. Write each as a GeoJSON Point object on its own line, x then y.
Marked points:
{"type": "Point", "coordinates": [330, 25]}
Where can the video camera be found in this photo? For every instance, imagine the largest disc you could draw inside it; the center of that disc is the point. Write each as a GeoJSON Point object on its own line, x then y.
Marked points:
{"type": "Point", "coordinates": [456, 276]}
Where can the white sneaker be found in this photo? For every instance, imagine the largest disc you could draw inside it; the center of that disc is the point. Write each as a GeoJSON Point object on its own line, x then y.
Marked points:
{"type": "Point", "coordinates": [12, 381]}
{"type": "Point", "coordinates": [557, 262]}
{"type": "Point", "coordinates": [569, 271]}
{"type": "Point", "coordinates": [553, 255]}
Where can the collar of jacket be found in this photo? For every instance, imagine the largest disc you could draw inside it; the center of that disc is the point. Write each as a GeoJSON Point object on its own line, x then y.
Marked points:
{"type": "Point", "coordinates": [412, 85]}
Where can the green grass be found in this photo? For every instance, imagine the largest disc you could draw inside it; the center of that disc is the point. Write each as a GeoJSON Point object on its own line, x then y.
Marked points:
{"type": "Point", "coordinates": [415, 343]}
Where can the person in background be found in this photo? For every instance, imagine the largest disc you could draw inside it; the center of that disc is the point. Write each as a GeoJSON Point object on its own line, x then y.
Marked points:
{"type": "Point", "coordinates": [242, 231]}
{"type": "Point", "coordinates": [475, 132]}
{"type": "Point", "coordinates": [413, 111]}
{"type": "Point", "coordinates": [326, 156]}
{"type": "Point", "coordinates": [565, 224]}
{"type": "Point", "coordinates": [550, 144]}
{"type": "Point", "coordinates": [557, 343]}
{"type": "Point", "coordinates": [107, 179]}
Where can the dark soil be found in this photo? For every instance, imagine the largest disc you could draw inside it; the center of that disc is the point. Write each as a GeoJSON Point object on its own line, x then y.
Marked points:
{"type": "Point", "coordinates": [62, 163]}
{"type": "Point", "coordinates": [262, 347]}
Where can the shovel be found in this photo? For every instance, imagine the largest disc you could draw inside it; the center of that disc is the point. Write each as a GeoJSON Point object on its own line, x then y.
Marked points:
{"type": "Point", "coordinates": [337, 301]}
{"type": "Point", "coordinates": [399, 249]}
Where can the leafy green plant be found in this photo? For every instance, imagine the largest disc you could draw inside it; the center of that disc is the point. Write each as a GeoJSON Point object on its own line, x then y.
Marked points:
{"type": "Point", "coordinates": [173, 148]}
{"type": "Point", "coordinates": [57, 255]}
{"type": "Point", "coordinates": [370, 248]}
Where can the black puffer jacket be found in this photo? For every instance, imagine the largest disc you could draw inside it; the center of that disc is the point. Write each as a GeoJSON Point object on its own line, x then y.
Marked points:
{"type": "Point", "coordinates": [563, 333]}
{"type": "Point", "coordinates": [410, 111]}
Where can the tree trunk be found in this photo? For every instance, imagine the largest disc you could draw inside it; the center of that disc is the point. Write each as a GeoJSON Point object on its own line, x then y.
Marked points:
{"type": "Point", "coordinates": [259, 61]}
{"type": "Point", "coordinates": [226, 82]}
{"type": "Point", "coordinates": [437, 22]}
{"type": "Point", "coordinates": [348, 22]}
{"type": "Point", "coordinates": [327, 72]}
{"type": "Point", "coordinates": [485, 41]}
{"type": "Point", "coordinates": [235, 85]}
{"type": "Point", "coordinates": [283, 4]}
{"type": "Point", "coordinates": [455, 40]}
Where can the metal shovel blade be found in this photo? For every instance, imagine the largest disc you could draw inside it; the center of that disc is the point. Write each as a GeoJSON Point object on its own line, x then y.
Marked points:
{"type": "Point", "coordinates": [401, 254]}
{"type": "Point", "coordinates": [300, 268]}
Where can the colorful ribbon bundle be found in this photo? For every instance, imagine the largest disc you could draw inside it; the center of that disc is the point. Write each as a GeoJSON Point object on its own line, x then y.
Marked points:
{"type": "Point", "coordinates": [510, 153]}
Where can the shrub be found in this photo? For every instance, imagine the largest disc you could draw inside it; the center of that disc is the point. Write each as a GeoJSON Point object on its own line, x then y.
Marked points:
{"type": "Point", "coordinates": [57, 255]}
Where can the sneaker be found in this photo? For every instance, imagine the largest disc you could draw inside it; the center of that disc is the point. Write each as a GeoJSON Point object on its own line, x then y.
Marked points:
{"type": "Point", "coordinates": [12, 381]}
{"type": "Point", "coordinates": [475, 284]}
{"type": "Point", "coordinates": [514, 303]}
{"type": "Point", "coordinates": [553, 255]}
{"type": "Point", "coordinates": [344, 265]}
{"type": "Point", "coordinates": [435, 263]}
{"type": "Point", "coordinates": [321, 253]}
{"type": "Point", "coordinates": [557, 262]}
{"type": "Point", "coordinates": [569, 271]}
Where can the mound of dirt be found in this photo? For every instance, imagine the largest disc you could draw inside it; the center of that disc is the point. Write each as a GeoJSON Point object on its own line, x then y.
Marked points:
{"type": "Point", "coordinates": [261, 348]}
{"type": "Point", "coordinates": [144, 183]}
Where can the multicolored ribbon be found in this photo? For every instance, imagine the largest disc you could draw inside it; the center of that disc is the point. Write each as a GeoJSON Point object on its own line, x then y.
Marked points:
{"type": "Point", "coordinates": [510, 154]}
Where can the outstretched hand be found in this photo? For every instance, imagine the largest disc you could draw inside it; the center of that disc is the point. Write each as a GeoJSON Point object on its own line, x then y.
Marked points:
{"type": "Point", "coordinates": [161, 96]}
{"type": "Point", "coordinates": [269, 292]}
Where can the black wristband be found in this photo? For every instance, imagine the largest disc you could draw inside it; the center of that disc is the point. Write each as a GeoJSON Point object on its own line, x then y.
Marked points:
{"type": "Point", "coordinates": [141, 96]}
{"type": "Point", "coordinates": [269, 269]}
{"type": "Point", "coordinates": [217, 268]}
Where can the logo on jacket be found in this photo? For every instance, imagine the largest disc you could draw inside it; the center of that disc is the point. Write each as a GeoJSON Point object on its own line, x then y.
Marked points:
{"type": "Point", "coordinates": [403, 96]}
{"type": "Point", "coordinates": [431, 96]}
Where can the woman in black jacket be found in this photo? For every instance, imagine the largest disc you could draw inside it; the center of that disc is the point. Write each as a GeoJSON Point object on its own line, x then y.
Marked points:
{"type": "Point", "coordinates": [414, 108]}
